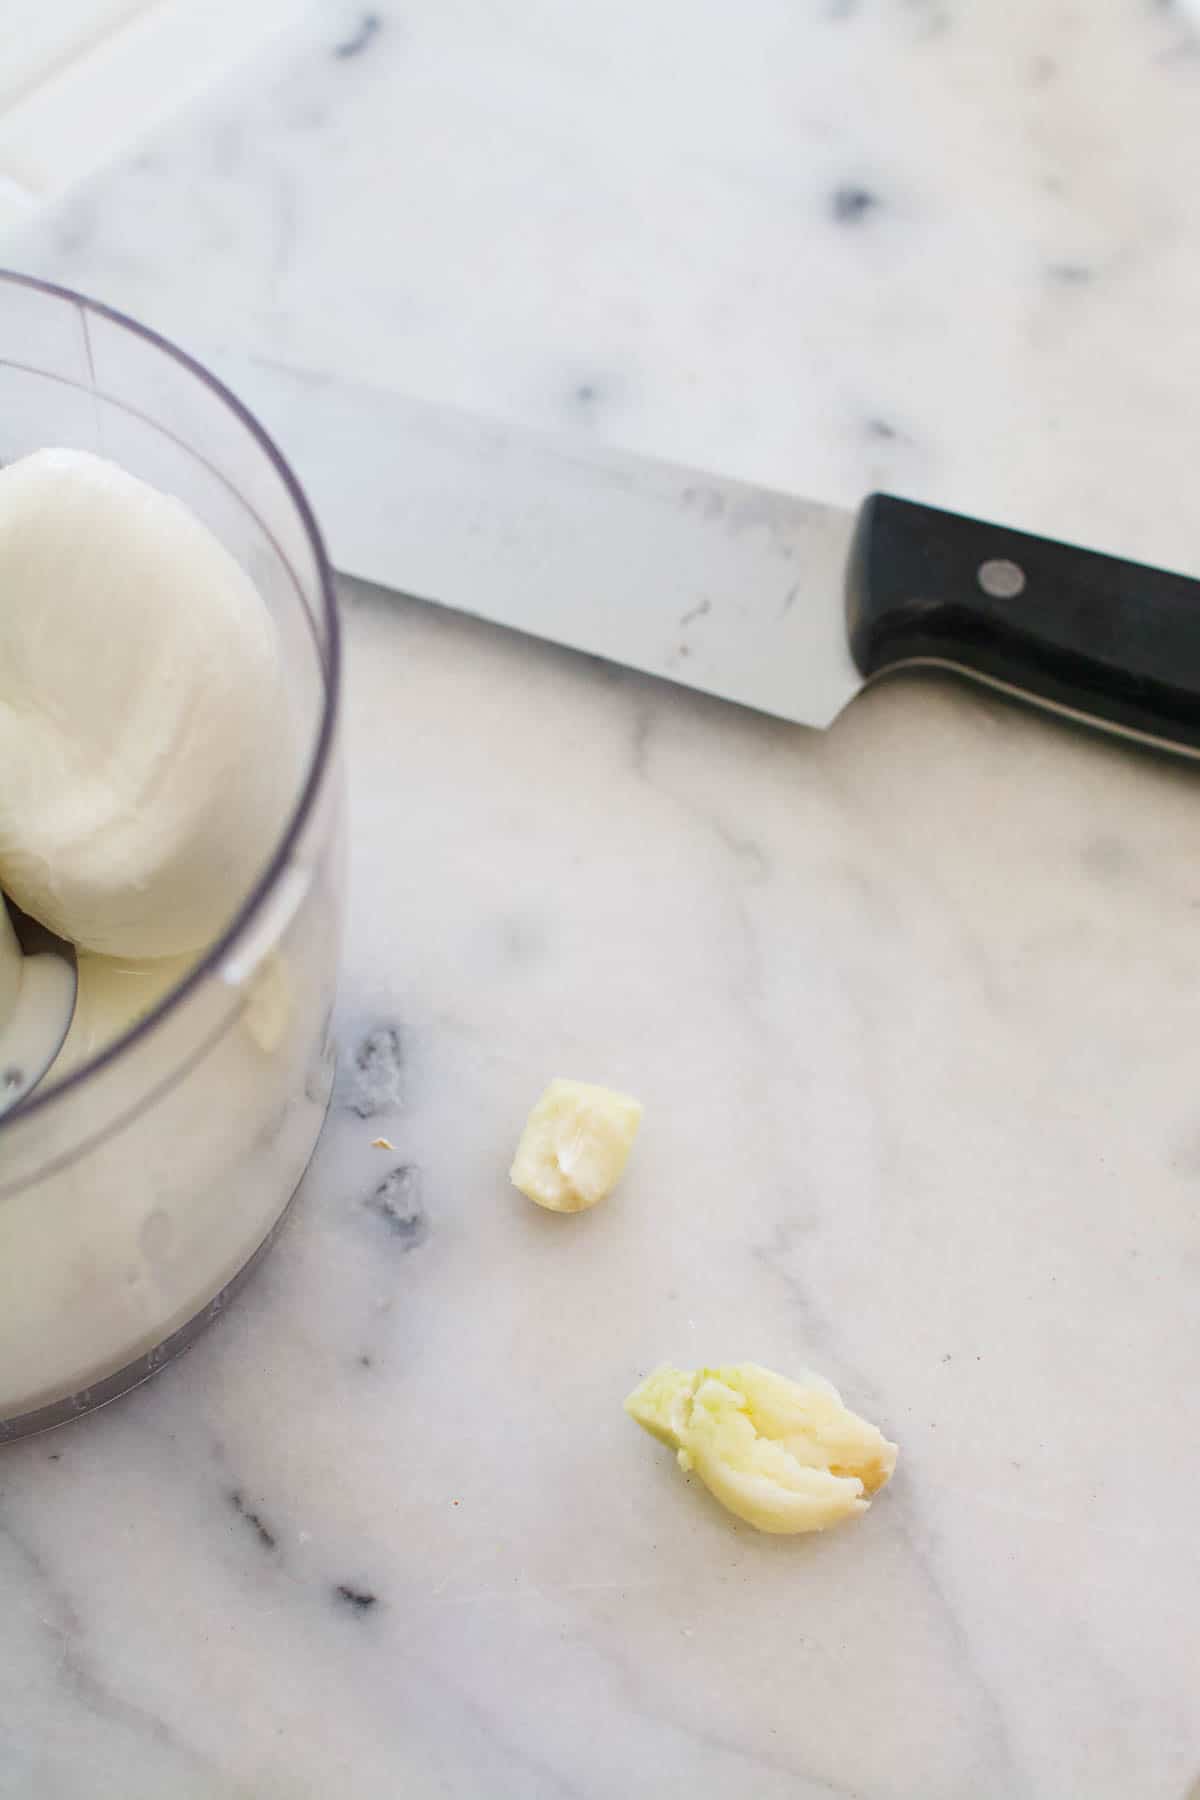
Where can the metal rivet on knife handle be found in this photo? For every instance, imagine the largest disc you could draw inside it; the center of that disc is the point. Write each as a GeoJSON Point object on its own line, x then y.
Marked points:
{"type": "Point", "coordinates": [1002, 579]}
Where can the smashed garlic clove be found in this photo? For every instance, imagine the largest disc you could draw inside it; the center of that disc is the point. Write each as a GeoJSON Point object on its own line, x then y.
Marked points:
{"type": "Point", "coordinates": [575, 1145]}
{"type": "Point", "coordinates": [786, 1456]}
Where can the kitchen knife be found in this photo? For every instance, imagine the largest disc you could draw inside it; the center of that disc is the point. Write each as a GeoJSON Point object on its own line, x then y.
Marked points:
{"type": "Point", "coordinates": [754, 595]}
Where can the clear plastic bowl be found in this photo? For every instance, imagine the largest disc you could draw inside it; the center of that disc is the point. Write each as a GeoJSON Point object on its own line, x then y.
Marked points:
{"type": "Point", "coordinates": [136, 1193]}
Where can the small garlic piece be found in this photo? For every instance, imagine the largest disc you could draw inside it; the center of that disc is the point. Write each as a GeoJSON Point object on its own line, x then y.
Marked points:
{"type": "Point", "coordinates": [786, 1456]}
{"type": "Point", "coordinates": [575, 1145]}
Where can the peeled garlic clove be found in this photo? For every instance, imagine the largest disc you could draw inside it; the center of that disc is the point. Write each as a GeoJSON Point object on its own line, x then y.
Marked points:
{"type": "Point", "coordinates": [786, 1456]}
{"type": "Point", "coordinates": [575, 1145]}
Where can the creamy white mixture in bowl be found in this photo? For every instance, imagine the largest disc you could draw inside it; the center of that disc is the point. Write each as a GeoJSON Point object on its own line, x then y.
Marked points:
{"type": "Point", "coordinates": [170, 805]}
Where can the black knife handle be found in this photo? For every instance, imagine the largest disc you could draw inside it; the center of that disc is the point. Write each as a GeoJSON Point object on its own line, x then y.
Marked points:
{"type": "Point", "coordinates": [1113, 642]}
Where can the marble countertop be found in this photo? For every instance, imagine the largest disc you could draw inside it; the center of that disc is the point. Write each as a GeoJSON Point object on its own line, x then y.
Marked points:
{"type": "Point", "coordinates": [84, 81]}
{"type": "Point", "coordinates": [910, 1003]}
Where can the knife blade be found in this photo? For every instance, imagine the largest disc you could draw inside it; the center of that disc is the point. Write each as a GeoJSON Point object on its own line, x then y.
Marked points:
{"type": "Point", "coordinates": [751, 594]}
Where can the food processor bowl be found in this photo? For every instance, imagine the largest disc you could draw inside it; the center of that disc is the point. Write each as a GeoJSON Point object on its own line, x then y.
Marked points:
{"type": "Point", "coordinates": [137, 1190]}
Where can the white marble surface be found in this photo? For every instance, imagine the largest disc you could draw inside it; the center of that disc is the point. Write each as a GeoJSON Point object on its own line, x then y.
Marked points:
{"type": "Point", "coordinates": [911, 1005]}
{"type": "Point", "coordinates": [83, 81]}
{"type": "Point", "coordinates": [619, 217]}
{"type": "Point", "coordinates": [920, 1109]}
